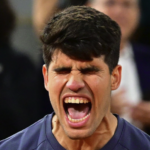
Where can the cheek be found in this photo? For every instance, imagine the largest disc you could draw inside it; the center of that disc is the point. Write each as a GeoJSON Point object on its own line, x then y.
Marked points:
{"type": "Point", "coordinates": [97, 84]}
{"type": "Point", "coordinates": [56, 85]}
{"type": "Point", "coordinates": [101, 89]}
{"type": "Point", "coordinates": [101, 92]}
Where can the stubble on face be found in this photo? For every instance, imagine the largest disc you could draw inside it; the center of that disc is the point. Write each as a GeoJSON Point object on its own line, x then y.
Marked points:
{"type": "Point", "coordinates": [89, 81]}
{"type": "Point", "coordinates": [82, 81]}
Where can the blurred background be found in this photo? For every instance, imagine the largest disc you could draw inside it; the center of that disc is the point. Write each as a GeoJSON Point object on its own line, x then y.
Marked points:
{"type": "Point", "coordinates": [24, 37]}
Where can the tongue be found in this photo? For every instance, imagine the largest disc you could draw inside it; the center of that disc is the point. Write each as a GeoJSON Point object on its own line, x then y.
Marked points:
{"type": "Point", "coordinates": [78, 111]}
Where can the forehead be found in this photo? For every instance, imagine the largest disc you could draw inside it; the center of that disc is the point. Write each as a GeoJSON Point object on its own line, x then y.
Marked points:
{"type": "Point", "coordinates": [60, 59]}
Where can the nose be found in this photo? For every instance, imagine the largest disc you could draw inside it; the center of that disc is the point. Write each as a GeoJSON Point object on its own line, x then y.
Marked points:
{"type": "Point", "coordinates": [75, 82]}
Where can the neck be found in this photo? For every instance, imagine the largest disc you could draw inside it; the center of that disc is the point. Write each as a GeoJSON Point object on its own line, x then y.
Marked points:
{"type": "Point", "coordinates": [103, 134]}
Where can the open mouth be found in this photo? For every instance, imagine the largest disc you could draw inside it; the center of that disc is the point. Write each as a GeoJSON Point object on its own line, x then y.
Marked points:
{"type": "Point", "coordinates": [77, 109]}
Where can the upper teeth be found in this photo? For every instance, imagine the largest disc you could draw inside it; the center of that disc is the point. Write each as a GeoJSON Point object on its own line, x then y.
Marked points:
{"type": "Point", "coordinates": [76, 100]}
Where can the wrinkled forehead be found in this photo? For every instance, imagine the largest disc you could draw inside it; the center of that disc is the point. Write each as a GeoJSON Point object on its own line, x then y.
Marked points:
{"type": "Point", "coordinates": [58, 56]}
{"type": "Point", "coordinates": [58, 53]}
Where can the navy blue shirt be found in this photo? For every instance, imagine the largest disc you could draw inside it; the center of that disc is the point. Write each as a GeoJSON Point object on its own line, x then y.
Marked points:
{"type": "Point", "coordinates": [39, 137]}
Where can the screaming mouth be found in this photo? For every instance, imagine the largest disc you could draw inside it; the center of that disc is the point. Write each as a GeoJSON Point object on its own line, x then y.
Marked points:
{"type": "Point", "coordinates": [77, 109]}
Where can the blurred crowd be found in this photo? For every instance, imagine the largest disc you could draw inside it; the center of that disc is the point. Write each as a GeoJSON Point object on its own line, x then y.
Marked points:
{"type": "Point", "coordinates": [23, 99]}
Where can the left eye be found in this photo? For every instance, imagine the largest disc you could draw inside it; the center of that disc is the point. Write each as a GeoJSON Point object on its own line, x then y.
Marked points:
{"type": "Point", "coordinates": [88, 71]}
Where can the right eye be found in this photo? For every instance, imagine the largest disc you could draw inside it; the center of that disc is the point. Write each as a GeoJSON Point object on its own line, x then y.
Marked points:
{"type": "Point", "coordinates": [62, 70]}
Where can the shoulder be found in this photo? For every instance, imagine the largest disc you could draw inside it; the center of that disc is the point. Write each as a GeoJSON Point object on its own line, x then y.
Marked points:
{"type": "Point", "coordinates": [27, 139]}
{"type": "Point", "coordinates": [140, 49]}
{"type": "Point", "coordinates": [133, 138]}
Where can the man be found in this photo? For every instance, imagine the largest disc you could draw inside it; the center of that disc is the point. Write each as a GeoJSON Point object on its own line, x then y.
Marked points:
{"type": "Point", "coordinates": [81, 51]}
{"type": "Point", "coordinates": [134, 58]}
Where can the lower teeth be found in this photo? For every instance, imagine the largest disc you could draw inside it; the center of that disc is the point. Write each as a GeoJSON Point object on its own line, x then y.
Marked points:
{"type": "Point", "coordinates": [77, 120]}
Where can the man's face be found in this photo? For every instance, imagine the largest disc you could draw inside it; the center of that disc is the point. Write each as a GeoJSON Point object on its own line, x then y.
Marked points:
{"type": "Point", "coordinates": [124, 12]}
{"type": "Point", "coordinates": [79, 92]}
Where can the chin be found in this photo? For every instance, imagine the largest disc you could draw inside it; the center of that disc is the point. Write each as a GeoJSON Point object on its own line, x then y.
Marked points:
{"type": "Point", "coordinates": [78, 135]}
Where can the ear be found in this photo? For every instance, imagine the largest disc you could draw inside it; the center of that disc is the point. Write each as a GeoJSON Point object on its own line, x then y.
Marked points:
{"type": "Point", "coordinates": [116, 77]}
{"type": "Point", "coordinates": [45, 75]}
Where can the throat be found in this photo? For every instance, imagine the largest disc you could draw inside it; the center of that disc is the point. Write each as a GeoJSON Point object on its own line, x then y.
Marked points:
{"type": "Point", "coordinates": [77, 111]}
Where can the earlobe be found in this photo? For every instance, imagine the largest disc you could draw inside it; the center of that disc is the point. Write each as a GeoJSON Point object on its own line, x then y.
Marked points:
{"type": "Point", "coordinates": [45, 76]}
{"type": "Point", "coordinates": [116, 77]}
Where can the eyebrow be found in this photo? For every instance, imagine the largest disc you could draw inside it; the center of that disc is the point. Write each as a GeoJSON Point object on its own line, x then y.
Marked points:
{"type": "Point", "coordinates": [89, 69]}
{"type": "Point", "coordinates": [60, 69]}
{"type": "Point", "coordinates": [82, 70]}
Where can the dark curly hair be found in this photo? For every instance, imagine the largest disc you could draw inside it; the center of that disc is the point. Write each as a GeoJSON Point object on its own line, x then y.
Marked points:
{"type": "Point", "coordinates": [82, 33]}
{"type": "Point", "coordinates": [7, 18]}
